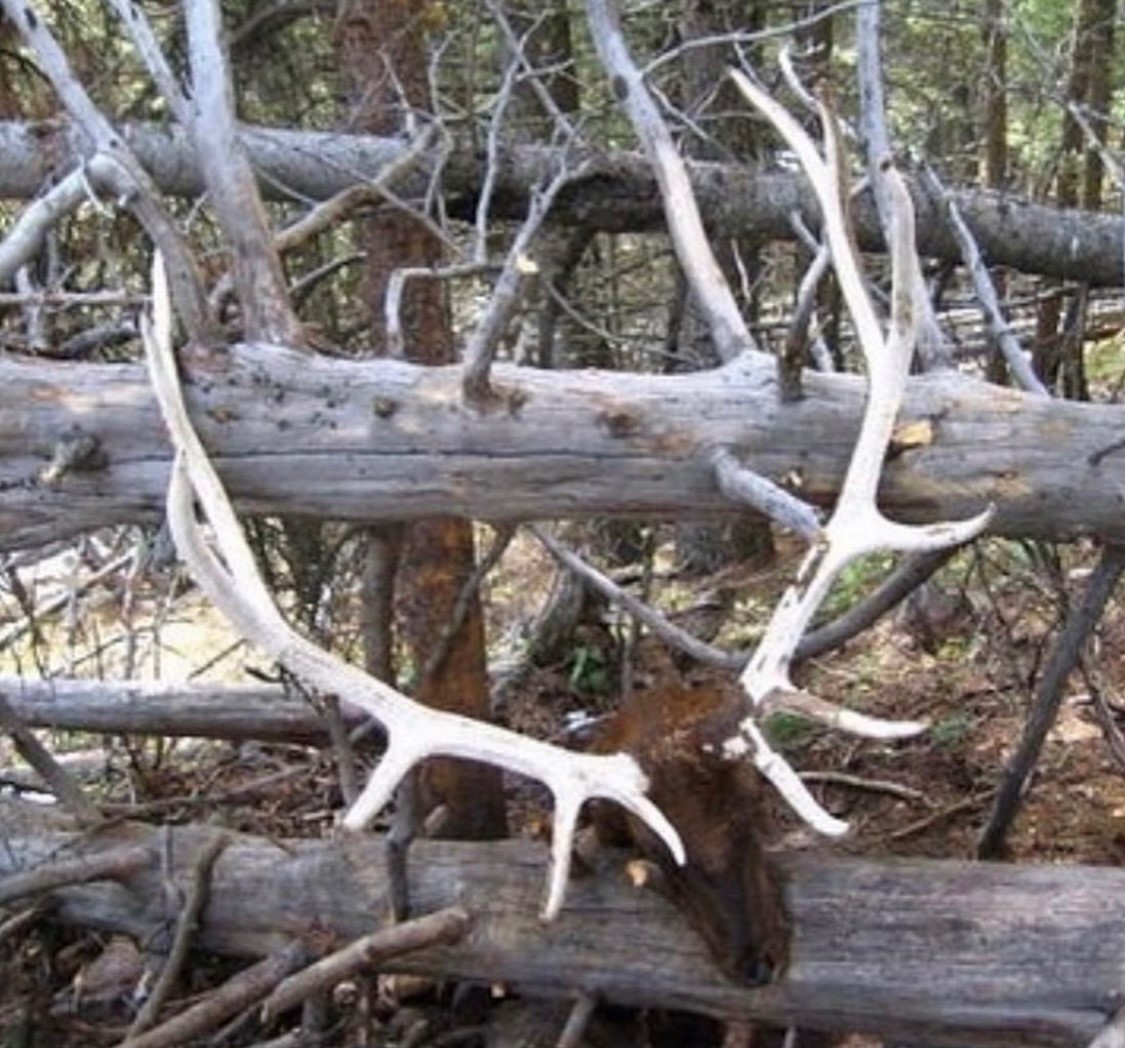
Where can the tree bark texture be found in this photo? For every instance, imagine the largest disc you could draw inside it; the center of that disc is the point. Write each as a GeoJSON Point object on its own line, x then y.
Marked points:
{"type": "Point", "coordinates": [269, 713]}
{"type": "Point", "coordinates": [617, 193]}
{"type": "Point", "coordinates": [915, 951]}
{"type": "Point", "coordinates": [383, 48]}
{"type": "Point", "coordinates": [387, 440]}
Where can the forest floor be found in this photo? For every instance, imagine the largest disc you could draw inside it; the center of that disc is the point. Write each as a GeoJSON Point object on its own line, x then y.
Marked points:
{"type": "Point", "coordinates": [966, 661]}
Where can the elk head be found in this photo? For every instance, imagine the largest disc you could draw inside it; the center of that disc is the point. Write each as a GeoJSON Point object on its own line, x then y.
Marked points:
{"type": "Point", "coordinates": [728, 888]}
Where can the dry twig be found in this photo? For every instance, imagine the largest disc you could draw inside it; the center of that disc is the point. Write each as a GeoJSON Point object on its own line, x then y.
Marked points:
{"type": "Point", "coordinates": [53, 773]}
{"type": "Point", "coordinates": [237, 993]}
{"type": "Point", "coordinates": [186, 926]}
{"type": "Point", "coordinates": [442, 928]}
{"type": "Point", "coordinates": [116, 864]}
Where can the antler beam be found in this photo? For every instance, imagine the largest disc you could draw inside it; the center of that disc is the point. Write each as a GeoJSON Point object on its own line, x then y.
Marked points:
{"type": "Point", "coordinates": [414, 732]}
{"type": "Point", "coordinates": [856, 526]}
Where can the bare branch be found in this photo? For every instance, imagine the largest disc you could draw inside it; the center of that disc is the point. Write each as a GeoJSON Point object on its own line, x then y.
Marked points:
{"type": "Point", "coordinates": [502, 303]}
{"type": "Point", "coordinates": [39, 757]}
{"type": "Point", "coordinates": [785, 29]}
{"type": "Point", "coordinates": [1064, 656]}
{"type": "Point", "coordinates": [414, 732]}
{"type": "Point", "coordinates": [392, 303]}
{"type": "Point", "coordinates": [443, 928]}
{"type": "Point", "coordinates": [998, 327]}
{"type": "Point", "coordinates": [931, 342]}
{"type": "Point", "coordinates": [262, 293]}
{"type": "Point", "coordinates": [186, 926]}
{"type": "Point", "coordinates": [518, 47]}
{"type": "Point", "coordinates": [743, 485]}
{"type": "Point", "coordinates": [27, 233]}
{"type": "Point", "coordinates": [662, 627]}
{"type": "Point", "coordinates": [459, 613]}
{"type": "Point", "coordinates": [905, 578]}
{"type": "Point", "coordinates": [239, 992]}
{"type": "Point", "coordinates": [148, 47]}
{"type": "Point", "coordinates": [335, 209]}
{"type": "Point", "coordinates": [115, 167]}
{"type": "Point", "coordinates": [116, 864]}
{"type": "Point", "coordinates": [492, 152]}
{"type": "Point", "coordinates": [689, 238]}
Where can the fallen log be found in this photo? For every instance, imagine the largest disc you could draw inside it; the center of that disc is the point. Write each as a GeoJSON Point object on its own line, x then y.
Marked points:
{"type": "Point", "coordinates": [266, 712]}
{"type": "Point", "coordinates": [616, 193]}
{"type": "Point", "coordinates": [301, 435]}
{"type": "Point", "coordinates": [917, 951]}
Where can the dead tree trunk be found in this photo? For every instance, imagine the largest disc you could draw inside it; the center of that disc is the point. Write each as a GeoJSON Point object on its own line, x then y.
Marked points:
{"type": "Point", "coordinates": [617, 194]}
{"type": "Point", "coordinates": [937, 953]}
{"type": "Point", "coordinates": [301, 435]}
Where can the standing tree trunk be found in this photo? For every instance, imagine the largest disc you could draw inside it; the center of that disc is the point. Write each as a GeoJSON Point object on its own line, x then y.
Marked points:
{"type": "Point", "coordinates": [1057, 356]}
{"type": "Point", "coordinates": [382, 48]}
{"type": "Point", "coordinates": [995, 137]}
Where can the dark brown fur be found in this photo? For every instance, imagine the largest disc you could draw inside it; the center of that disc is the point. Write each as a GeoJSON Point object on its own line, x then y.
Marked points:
{"type": "Point", "coordinates": [729, 888]}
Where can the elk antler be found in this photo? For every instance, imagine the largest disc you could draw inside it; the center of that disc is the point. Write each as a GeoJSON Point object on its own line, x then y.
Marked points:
{"type": "Point", "coordinates": [856, 526]}
{"type": "Point", "coordinates": [414, 732]}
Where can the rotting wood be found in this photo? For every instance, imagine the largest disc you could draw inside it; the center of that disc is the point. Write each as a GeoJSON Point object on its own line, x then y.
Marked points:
{"type": "Point", "coordinates": [384, 439]}
{"type": "Point", "coordinates": [916, 951]}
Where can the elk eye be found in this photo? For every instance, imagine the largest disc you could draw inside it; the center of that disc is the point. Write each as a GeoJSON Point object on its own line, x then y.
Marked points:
{"type": "Point", "coordinates": [757, 971]}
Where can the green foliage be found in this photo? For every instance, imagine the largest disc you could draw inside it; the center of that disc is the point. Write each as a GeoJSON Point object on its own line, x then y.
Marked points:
{"type": "Point", "coordinates": [588, 669]}
{"type": "Point", "coordinates": [857, 579]}
{"type": "Point", "coordinates": [952, 730]}
{"type": "Point", "coordinates": [789, 732]}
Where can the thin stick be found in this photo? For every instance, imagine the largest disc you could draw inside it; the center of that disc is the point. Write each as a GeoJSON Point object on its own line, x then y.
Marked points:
{"type": "Point", "coordinates": [186, 927]}
{"type": "Point", "coordinates": [577, 1021]}
{"type": "Point", "coordinates": [53, 773]}
{"type": "Point", "coordinates": [237, 993]}
{"type": "Point", "coordinates": [114, 865]}
{"type": "Point", "coordinates": [1048, 696]}
{"type": "Point", "coordinates": [667, 630]}
{"type": "Point", "coordinates": [965, 804]}
{"type": "Point", "coordinates": [442, 928]}
{"type": "Point", "coordinates": [681, 212]}
{"type": "Point", "coordinates": [24, 919]}
{"type": "Point", "coordinates": [506, 293]}
{"type": "Point", "coordinates": [856, 782]}
{"type": "Point", "coordinates": [462, 605]}
{"type": "Point", "coordinates": [115, 166]}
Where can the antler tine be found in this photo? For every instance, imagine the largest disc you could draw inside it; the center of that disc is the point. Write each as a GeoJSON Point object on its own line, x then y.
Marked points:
{"type": "Point", "coordinates": [856, 526]}
{"type": "Point", "coordinates": [414, 732]}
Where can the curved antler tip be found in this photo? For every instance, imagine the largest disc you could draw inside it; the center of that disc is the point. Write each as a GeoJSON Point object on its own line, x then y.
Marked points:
{"type": "Point", "coordinates": [672, 841]}
{"type": "Point", "coordinates": [908, 729]}
{"type": "Point", "coordinates": [830, 826]}
{"type": "Point", "coordinates": [552, 904]}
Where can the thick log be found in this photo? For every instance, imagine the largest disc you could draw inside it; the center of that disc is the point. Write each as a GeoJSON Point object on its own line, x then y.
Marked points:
{"type": "Point", "coordinates": [927, 952]}
{"type": "Point", "coordinates": [617, 192]}
{"type": "Point", "coordinates": [269, 713]}
{"type": "Point", "coordinates": [298, 434]}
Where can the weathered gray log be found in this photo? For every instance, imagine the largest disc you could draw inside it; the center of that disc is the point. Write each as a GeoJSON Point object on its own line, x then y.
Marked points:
{"type": "Point", "coordinates": [942, 953]}
{"type": "Point", "coordinates": [304, 435]}
{"type": "Point", "coordinates": [265, 712]}
{"type": "Point", "coordinates": [617, 192]}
